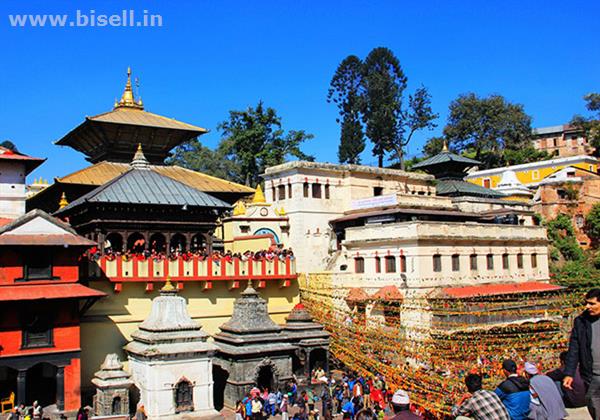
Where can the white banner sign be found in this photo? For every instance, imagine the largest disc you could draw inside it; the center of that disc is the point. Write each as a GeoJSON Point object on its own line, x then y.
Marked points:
{"type": "Point", "coordinates": [379, 201]}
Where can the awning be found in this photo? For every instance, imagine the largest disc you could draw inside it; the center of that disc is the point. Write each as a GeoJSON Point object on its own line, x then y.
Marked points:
{"type": "Point", "coordinates": [48, 291]}
{"type": "Point", "coordinates": [388, 294]}
{"type": "Point", "coordinates": [45, 240]}
{"type": "Point", "coordinates": [356, 294]}
{"type": "Point", "coordinates": [498, 289]}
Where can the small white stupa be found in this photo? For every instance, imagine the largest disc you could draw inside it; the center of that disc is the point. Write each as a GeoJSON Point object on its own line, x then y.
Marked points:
{"type": "Point", "coordinates": [512, 188]}
{"type": "Point", "coordinates": [171, 361]}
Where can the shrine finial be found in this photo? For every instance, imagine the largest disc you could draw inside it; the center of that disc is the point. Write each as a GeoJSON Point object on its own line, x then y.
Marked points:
{"type": "Point", "coordinates": [259, 197]}
{"type": "Point", "coordinates": [445, 146]}
{"type": "Point", "coordinates": [128, 99]}
{"type": "Point", "coordinates": [63, 201]}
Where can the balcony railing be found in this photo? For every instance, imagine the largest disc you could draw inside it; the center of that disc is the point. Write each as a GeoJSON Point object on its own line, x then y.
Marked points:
{"type": "Point", "coordinates": [150, 270]}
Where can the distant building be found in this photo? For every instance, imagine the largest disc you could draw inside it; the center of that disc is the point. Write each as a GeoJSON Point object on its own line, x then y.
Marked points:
{"type": "Point", "coordinates": [562, 140]}
{"type": "Point", "coordinates": [571, 191]}
{"type": "Point", "coordinates": [533, 172]}
{"type": "Point", "coordinates": [14, 167]}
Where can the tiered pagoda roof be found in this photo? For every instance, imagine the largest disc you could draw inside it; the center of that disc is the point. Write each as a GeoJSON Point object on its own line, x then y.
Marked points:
{"type": "Point", "coordinates": [169, 332]}
{"type": "Point", "coordinates": [251, 331]}
{"type": "Point", "coordinates": [141, 184]}
{"type": "Point", "coordinates": [301, 327]}
{"type": "Point", "coordinates": [112, 135]}
{"type": "Point", "coordinates": [449, 170]}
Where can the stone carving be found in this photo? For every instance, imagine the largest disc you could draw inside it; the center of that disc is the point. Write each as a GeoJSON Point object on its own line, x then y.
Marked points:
{"type": "Point", "coordinates": [112, 383]}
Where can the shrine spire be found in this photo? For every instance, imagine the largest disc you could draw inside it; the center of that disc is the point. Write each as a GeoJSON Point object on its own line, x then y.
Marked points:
{"type": "Point", "coordinates": [128, 99]}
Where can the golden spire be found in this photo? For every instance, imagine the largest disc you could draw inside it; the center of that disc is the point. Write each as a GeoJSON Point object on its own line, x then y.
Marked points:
{"type": "Point", "coordinates": [259, 197]}
{"type": "Point", "coordinates": [63, 201]}
{"type": "Point", "coordinates": [139, 159]}
{"type": "Point", "coordinates": [445, 146]}
{"type": "Point", "coordinates": [127, 99]}
{"type": "Point", "coordinates": [239, 209]}
{"type": "Point", "coordinates": [168, 287]}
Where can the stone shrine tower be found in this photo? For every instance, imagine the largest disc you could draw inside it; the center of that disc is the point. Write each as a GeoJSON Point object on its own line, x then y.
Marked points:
{"type": "Point", "coordinates": [112, 383]}
{"type": "Point", "coordinates": [171, 361]}
{"type": "Point", "coordinates": [312, 342]}
{"type": "Point", "coordinates": [253, 349]}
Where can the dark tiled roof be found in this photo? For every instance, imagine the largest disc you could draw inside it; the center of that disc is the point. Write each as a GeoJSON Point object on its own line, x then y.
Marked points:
{"type": "Point", "coordinates": [444, 158]}
{"type": "Point", "coordinates": [456, 187]}
{"type": "Point", "coordinates": [147, 186]}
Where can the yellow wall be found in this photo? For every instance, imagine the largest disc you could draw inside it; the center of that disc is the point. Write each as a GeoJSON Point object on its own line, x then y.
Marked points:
{"type": "Point", "coordinates": [108, 325]}
{"type": "Point", "coordinates": [526, 176]}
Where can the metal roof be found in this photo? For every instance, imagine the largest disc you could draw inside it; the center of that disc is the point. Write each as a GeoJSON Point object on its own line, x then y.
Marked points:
{"type": "Point", "coordinates": [147, 186]}
{"type": "Point", "coordinates": [102, 172]}
{"type": "Point", "coordinates": [406, 210]}
{"type": "Point", "coordinates": [444, 158]}
{"type": "Point", "coordinates": [456, 187]}
{"type": "Point", "coordinates": [48, 291]}
{"type": "Point", "coordinates": [133, 116]}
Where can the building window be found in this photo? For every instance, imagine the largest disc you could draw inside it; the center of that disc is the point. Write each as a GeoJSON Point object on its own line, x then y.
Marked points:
{"type": "Point", "coordinates": [487, 183]}
{"type": "Point", "coordinates": [402, 264]}
{"type": "Point", "coordinates": [37, 266]}
{"type": "Point", "coordinates": [390, 264]}
{"type": "Point", "coordinates": [289, 190]}
{"type": "Point", "coordinates": [37, 331]}
{"type": "Point", "coordinates": [473, 261]}
{"type": "Point", "coordinates": [533, 260]}
{"type": "Point", "coordinates": [305, 189]}
{"type": "Point", "coordinates": [437, 263]}
{"type": "Point", "coordinates": [377, 264]}
{"type": "Point", "coordinates": [455, 262]}
{"type": "Point", "coordinates": [274, 193]}
{"type": "Point", "coordinates": [359, 265]}
{"type": "Point", "coordinates": [281, 192]}
{"type": "Point", "coordinates": [505, 261]}
{"type": "Point", "coordinates": [490, 261]}
{"type": "Point", "coordinates": [377, 191]}
{"type": "Point", "coordinates": [519, 261]}
{"type": "Point", "coordinates": [535, 175]}
{"type": "Point", "coordinates": [316, 190]}
{"type": "Point", "coordinates": [327, 191]}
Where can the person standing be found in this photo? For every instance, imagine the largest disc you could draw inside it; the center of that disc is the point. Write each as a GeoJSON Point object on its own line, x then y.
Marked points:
{"type": "Point", "coordinates": [584, 351]}
{"type": "Point", "coordinates": [284, 408]}
{"type": "Point", "coordinates": [514, 391]}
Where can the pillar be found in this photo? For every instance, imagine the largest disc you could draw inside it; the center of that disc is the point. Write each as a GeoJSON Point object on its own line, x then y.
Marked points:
{"type": "Point", "coordinates": [21, 386]}
{"type": "Point", "coordinates": [60, 388]}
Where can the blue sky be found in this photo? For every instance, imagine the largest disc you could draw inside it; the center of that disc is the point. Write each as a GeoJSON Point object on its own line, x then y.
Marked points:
{"type": "Point", "coordinates": [210, 57]}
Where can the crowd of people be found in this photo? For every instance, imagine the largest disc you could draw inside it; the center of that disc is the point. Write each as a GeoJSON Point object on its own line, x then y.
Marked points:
{"type": "Point", "coordinates": [272, 253]}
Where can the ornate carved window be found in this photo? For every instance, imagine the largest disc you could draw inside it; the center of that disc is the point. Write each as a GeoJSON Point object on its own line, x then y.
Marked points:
{"type": "Point", "coordinates": [184, 396]}
{"type": "Point", "coordinates": [36, 331]}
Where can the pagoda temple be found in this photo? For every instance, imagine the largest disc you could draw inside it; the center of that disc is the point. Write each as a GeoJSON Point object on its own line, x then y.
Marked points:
{"type": "Point", "coordinates": [108, 141]}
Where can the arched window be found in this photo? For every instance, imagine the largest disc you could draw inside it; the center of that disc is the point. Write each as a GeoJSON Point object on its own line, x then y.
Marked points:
{"type": "Point", "coordinates": [184, 397]}
{"type": "Point", "coordinates": [378, 264]}
{"type": "Point", "coordinates": [390, 264]}
{"type": "Point", "coordinates": [158, 242]}
{"type": "Point", "coordinates": [316, 190]}
{"type": "Point", "coordinates": [178, 243]}
{"type": "Point", "coordinates": [402, 264]}
{"type": "Point", "coordinates": [136, 243]}
{"type": "Point", "coordinates": [113, 242]}
{"type": "Point", "coordinates": [116, 406]}
{"type": "Point", "coordinates": [359, 265]}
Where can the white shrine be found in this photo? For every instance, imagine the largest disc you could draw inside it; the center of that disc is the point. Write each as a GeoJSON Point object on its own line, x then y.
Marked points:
{"type": "Point", "coordinates": [171, 361]}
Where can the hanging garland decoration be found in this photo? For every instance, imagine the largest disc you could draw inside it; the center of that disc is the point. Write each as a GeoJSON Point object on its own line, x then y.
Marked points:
{"type": "Point", "coordinates": [432, 364]}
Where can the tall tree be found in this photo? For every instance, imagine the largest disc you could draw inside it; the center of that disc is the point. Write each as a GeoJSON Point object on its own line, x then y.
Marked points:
{"type": "Point", "coordinates": [193, 155]}
{"type": "Point", "coordinates": [384, 82]}
{"type": "Point", "coordinates": [590, 125]}
{"type": "Point", "coordinates": [433, 146]}
{"type": "Point", "coordinates": [254, 139]}
{"type": "Point", "coordinates": [487, 126]}
{"type": "Point", "coordinates": [345, 90]}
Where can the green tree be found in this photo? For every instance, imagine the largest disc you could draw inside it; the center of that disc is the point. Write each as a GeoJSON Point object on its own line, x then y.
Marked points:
{"type": "Point", "coordinates": [488, 126]}
{"type": "Point", "coordinates": [383, 82]}
{"type": "Point", "coordinates": [9, 145]}
{"type": "Point", "coordinates": [590, 125]}
{"type": "Point", "coordinates": [193, 155]}
{"type": "Point", "coordinates": [562, 237]}
{"type": "Point", "coordinates": [376, 92]}
{"type": "Point", "coordinates": [524, 155]}
{"type": "Point", "coordinates": [434, 145]}
{"type": "Point", "coordinates": [254, 139]}
{"type": "Point", "coordinates": [345, 92]}
{"type": "Point", "coordinates": [592, 224]}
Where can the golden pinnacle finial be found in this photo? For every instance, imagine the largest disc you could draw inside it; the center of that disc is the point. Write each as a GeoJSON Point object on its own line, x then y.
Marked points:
{"type": "Point", "coordinates": [63, 201]}
{"type": "Point", "coordinates": [139, 149]}
{"type": "Point", "coordinates": [168, 287]}
{"type": "Point", "coordinates": [127, 99]}
{"type": "Point", "coordinates": [239, 209]}
{"type": "Point", "coordinates": [445, 146]}
{"type": "Point", "coordinates": [259, 197]}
